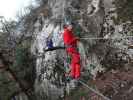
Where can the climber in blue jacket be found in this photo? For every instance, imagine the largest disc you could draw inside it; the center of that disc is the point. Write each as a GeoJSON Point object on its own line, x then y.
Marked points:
{"type": "Point", "coordinates": [49, 43]}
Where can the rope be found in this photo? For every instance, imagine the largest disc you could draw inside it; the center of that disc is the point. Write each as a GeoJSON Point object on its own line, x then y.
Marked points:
{"type": "Point", "coordinates": [85, 38]}
{"type": "Point", "coordinates": [93, 90]}
{"type": "Point", "coordinates": [54, 48]}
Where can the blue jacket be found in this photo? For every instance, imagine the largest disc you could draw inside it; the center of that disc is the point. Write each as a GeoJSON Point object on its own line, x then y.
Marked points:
{"type": "Point", "coordinates": [49, 43]}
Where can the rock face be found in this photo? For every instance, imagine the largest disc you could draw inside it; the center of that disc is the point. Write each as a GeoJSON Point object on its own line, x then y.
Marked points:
{"type": "Point", "coordinates": [92, 19]}
{"type": "Point", "coordinates": [88, 19]}
{"type": "Point", "coordinates": [101, 45]}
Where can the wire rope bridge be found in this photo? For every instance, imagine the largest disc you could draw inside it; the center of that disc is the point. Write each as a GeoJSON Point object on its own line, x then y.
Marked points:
{"type": "Point", "coordinates": [105, 38]}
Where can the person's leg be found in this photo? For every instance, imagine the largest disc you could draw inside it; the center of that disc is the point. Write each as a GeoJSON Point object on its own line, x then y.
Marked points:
{"type": "Point", "coordinates": [77, 71]}
{"type": "Point", "coordinates": [76, 65]}
{"type": "Point", "coordinates": [72, 72]}
{"type": "Point", "coordinates": [75, 62]}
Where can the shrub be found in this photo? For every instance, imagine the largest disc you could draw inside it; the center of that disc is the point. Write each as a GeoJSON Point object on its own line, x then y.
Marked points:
{"type": "Point", "coordinates": [124, 10]}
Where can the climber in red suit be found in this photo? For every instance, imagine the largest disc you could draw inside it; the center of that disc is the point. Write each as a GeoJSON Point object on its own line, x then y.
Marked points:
{"type": "Point", "coordinates": [70, 42]}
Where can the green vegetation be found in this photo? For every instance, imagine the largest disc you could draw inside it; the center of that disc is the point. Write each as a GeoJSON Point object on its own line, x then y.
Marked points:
{"type": "Point", "coordinates": [124, 10]}
{"type": "Point", "coordinates": [23, 68]}
{"type": "Point", "coordinates": [7, 86]}
{"type": "Point", "coordinates": [24, 62]}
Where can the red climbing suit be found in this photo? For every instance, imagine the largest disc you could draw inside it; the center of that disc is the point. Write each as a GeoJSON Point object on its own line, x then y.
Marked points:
{"type": "Point", "coordinates": [70, 42]}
